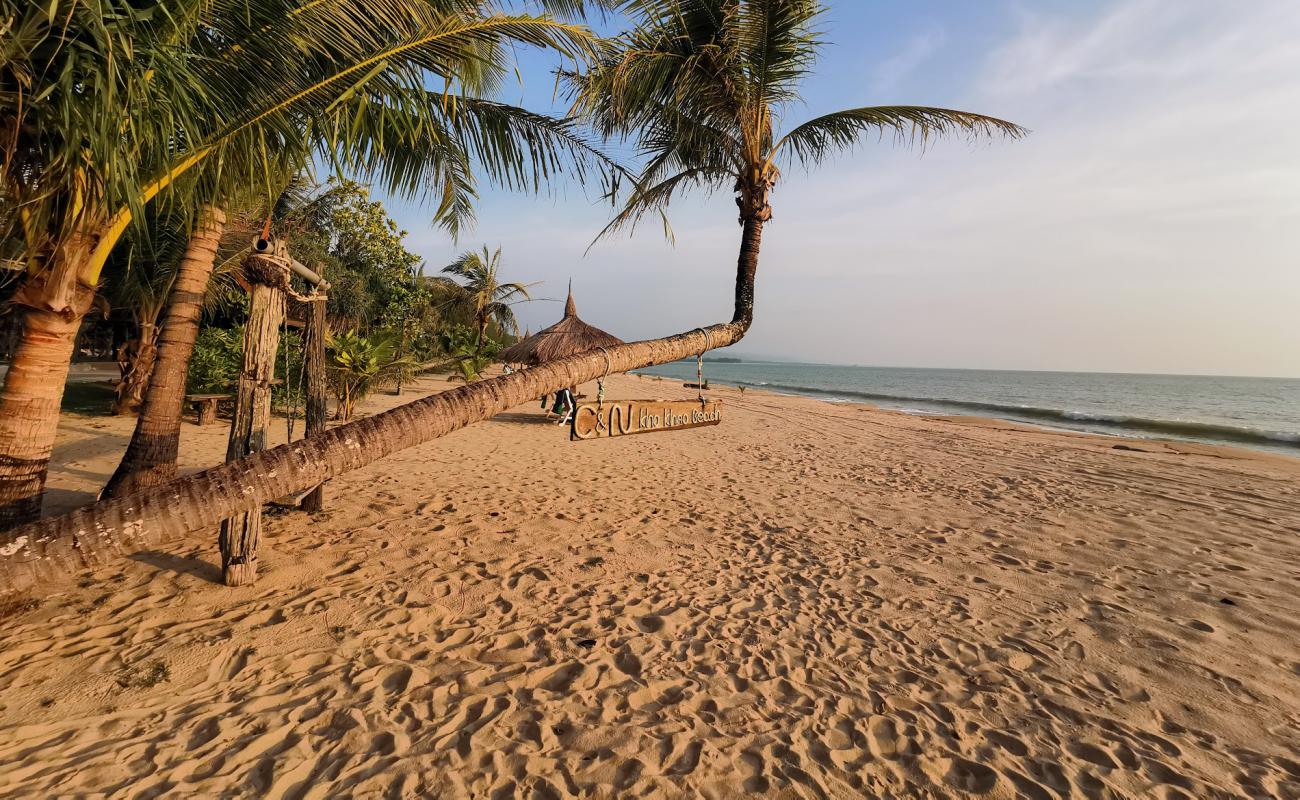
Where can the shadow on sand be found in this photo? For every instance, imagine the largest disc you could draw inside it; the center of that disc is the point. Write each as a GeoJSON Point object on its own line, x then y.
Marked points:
{"type": "Point", "coordinates": [61, 501]}
{"type": "Point", "coordinates": [525, 418]}
{"type": "Point", "coordinates": [179, 564]}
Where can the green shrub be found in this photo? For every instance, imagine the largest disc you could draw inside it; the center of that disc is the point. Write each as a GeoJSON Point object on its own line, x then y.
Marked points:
{"type": "Point", "coordinates": [471, 356]}
{"type": "Point", "coordinates": [357, 365]}
{"type": "Point", "coordinates": [218, 357]}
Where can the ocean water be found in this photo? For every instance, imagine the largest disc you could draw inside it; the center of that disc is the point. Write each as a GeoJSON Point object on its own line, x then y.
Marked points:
{"type": "Point", "coordinates": [1262, 413]}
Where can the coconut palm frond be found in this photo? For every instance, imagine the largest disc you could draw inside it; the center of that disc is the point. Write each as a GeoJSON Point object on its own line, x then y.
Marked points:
{"type": "Point", "coordinates": [577, 8]}
{"type": "Point", "coordinates": [205, 102]}
{"type": "Point", "coordinates": [224, 291]}
{"type": "Point", "coordinates": [814, 140]}
{"type": "Point", "coordinates": [520, 149]}
{"type": "Point", "coordinates": [504, 316]}
{"type": "Point", "coordinates": [440, 152]}
{"type": "Point", "coordinates": [475, 292]}
{"type": "Point", "coordinates": [776, 47]}
{"type": "Point", "coordinates": [656, 199]}
{"type": "Point", "coordinates": [701, 88]}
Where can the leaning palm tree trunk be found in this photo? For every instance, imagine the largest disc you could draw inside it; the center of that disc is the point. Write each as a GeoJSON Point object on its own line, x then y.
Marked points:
{"type": "Point", "coordinates": [150, 458]}
{"type": "Point", "coordinates": [109, 530]}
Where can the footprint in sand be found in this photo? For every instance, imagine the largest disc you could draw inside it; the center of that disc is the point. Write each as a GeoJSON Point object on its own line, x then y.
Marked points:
{"type": "Point", "coordinates": [751, 766]}
{"type": "Point", "coordinates": [562, 678]}
{"type": "Point", "coordinates": [962, 774]}
{"type": "Point", "coordinates": [650, 623]}
{"type": "Point", "coordinates": [628, 663]}
{"type": "Point", "coordinates": [1021, 662]}
{"type": "Point", "coordinates": [884, 738]}
{"type": "Point", "coordinates": [1008, 742]}
{"type": "Point", "coordinates": [1092, 754]}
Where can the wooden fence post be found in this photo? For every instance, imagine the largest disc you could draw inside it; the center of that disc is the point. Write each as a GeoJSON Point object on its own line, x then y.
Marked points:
{"type": "Point", "coordinates": [313, 345]}
{"type": "Point", "coordinates": [240, 534]}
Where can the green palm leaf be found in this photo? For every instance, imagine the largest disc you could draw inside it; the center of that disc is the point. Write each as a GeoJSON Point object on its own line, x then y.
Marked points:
{"type": "Point", "coordinates": [814, 140]}
{"type": "Point", "coordinates": [701, 87]}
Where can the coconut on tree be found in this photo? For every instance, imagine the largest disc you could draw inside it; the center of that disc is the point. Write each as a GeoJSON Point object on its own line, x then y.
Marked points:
{"type": "Point", "coordinates": [699, 86]}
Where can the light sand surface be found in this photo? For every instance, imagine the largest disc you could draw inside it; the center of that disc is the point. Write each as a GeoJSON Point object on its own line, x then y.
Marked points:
{"type": "Point", "coordinates": [809, 600]}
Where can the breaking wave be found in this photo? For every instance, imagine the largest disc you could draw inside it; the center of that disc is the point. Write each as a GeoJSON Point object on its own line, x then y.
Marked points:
{"type": "Point", "coordinates": [1065, 417]}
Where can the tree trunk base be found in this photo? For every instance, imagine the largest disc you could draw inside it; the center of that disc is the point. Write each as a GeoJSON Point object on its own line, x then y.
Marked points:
{"type": "Point", "coordinates": [207, 412]}
{"type": "Point", "coordinates": [240, 534]}
{"type": "Point", "coordinates": [143, 450]}
{"type": "Point", "coordinates": [240, 574]}
{"type": "Point", "coordinates": [29, 407]}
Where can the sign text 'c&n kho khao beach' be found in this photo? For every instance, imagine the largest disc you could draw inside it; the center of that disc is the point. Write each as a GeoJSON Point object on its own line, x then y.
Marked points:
{"type": "Point", "coordinates": [627, 417]}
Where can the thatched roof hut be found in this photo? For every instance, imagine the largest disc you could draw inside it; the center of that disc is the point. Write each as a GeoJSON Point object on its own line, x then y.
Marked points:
{"type": "Point", "coordinates": [568, 337]}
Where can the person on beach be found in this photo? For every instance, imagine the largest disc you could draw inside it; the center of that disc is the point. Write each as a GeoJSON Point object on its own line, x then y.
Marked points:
{"type": "Point", "coordinates": [564, 405]}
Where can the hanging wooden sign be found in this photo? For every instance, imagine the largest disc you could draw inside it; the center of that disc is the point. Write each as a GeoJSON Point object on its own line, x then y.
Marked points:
{"type": "Point", "coordinates": [628, 417]}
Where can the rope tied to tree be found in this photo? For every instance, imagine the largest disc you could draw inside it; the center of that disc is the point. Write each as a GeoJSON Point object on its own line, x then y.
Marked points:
{"type": "Point", "coordinates": [600, 392]}
{"type": "Point", "coordinates": [699, 362]}
{"type": "Point", "coordinates": [294, 396]}
{"type": "Point", "coordinates": [293, 411]}
{"type": "Point", "coordinates": [282, 278]}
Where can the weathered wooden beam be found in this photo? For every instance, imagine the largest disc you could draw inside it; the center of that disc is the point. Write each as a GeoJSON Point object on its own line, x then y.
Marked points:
{"type": "Point", "coordinates": [241, 533]}
{"type": "Point", "coordinates": [313, 346]}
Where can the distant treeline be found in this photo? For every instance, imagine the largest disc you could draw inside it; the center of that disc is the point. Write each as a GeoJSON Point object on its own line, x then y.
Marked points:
{"type": "Point", "coordinates": [718, 360]}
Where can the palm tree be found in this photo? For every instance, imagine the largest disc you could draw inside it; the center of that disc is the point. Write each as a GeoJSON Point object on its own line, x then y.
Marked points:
{"type": "Point", "coordinates": [698, 84]}
{"type": "Point", "coordinates": [140, 279]}
{"type": "Point", "coordinates": [701, 86]}
{"type": "Point", "coordinates": [139, 284]}
{"type": "Point", "coordinates": [209, 95]}
{"type": "Point", "coordinates": [150, 457]}
{"type": "Point", "coordinates": [481, 295]}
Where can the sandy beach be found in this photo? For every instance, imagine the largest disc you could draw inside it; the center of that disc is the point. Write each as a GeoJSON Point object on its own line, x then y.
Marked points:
{"type": "Point", "coordinates": [808, 600]}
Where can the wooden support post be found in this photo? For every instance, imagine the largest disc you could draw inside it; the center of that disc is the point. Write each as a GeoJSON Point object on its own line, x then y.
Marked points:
{"type": "Point", "coordinates": [313, 345]}
{"type": "Point", "coordinates": [240, 535]}
{"type": "Point", "coordinates": [207, 411]}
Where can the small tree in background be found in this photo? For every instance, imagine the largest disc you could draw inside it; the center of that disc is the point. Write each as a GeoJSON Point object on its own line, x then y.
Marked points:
{"type": "Point", "coordinates": [474, 290]}
{"type": "Point", "coordinates": [359, 365]}
{"type": "Point", "coordinates": [471, 355]}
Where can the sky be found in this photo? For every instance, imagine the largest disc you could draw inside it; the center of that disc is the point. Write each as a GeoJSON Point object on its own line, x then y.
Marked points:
{"type": "Point", "coordinates": [1149, 223]}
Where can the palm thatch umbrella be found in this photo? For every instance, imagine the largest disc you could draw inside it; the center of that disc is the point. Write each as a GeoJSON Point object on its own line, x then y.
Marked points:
{"type": "Point", "coordinates": [565, 338]}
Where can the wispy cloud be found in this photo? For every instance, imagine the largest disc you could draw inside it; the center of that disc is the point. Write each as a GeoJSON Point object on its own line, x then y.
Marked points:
{"type": "Point", "coordinates": [891, 73]}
